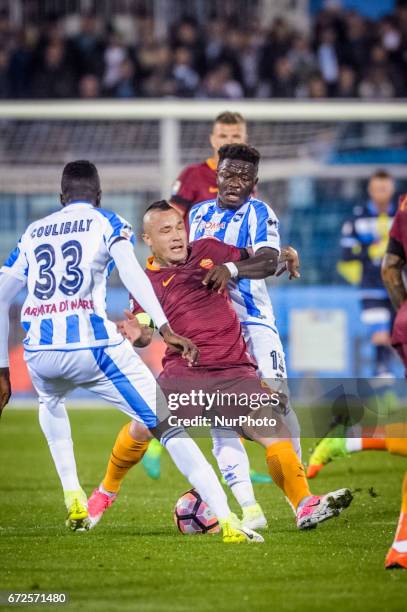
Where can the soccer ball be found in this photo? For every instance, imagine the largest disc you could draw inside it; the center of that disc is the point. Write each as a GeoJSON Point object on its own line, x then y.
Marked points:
{"type": "Point", "coordinates": [192, 515]}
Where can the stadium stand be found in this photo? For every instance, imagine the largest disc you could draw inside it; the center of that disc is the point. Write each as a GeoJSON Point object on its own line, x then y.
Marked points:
{"type": "Point", "coordinates": [127, 50]}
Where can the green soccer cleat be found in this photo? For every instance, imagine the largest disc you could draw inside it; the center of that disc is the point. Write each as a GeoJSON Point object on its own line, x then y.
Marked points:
{"type": "Point", "coordinates": [259, 478]}
{"type": "Point", "coordinates": [233, 532]}
{"type": "Point", "coordinates": [77, 505]}
{"type": "Point", "coordinates": [326, 450]}
{"type": "Point", "coordinates": [151, 461]}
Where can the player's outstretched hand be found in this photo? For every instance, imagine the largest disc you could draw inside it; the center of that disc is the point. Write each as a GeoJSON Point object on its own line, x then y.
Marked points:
{"type": "Point", "coordinates": [289, 261]}
{"type": "Point", "coordinates": [129, 328]}
{"type": "Point", "coordinates": [217, 278]}
{"type": "Point", "coordinates": [180, 344]}
{"type": "Point", "coordinates": [5, 388]}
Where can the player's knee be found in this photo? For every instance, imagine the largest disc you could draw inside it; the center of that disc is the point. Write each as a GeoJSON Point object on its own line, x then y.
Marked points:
{"type": "Point", "coordinates": [139, 432]}
{"type": "Point", "coordinates": [51, 404]}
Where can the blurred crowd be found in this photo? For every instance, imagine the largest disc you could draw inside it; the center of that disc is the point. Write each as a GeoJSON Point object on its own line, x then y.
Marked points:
{"type": "Point", "coordinates": [344, 55]}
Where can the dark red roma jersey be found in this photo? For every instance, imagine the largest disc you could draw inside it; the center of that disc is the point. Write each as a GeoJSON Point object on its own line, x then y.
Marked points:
{"type": "Point", "coordinates": [196, 312]}
{"type": "Point", "coordinates": [398, 233]}
{"type": "Point", "coordinates": [196, 183]}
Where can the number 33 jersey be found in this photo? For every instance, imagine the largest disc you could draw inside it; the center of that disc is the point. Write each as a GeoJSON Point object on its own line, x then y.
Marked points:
{"type": "Point", "coordinates": [65, 260]}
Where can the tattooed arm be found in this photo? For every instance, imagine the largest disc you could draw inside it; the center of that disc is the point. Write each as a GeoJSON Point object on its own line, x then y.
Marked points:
{"type": "Point", "coordinates": [392, 267]}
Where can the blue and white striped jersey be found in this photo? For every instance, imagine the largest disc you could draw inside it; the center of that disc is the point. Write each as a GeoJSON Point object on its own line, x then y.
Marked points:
{"type": "Point", "coordinates": [64, 258]}
{"type": "Point", "coordinates": [253, 226]}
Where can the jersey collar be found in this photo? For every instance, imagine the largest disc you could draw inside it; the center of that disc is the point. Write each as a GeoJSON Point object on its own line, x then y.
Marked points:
{"type": "Point", "coordinates": [391, 209]}
{"type": "Point", "coordinates": [154, 266]}
{"type": "Point", "coordinates": [79, 203]}
{"type": "Point", "coordinates": [211, 163]}
{"type": "Point", "coordinates": [232, 210]}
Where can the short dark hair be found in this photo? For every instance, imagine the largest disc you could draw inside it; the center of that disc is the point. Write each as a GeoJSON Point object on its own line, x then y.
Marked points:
{"type": "Point", "coordinates": [239, 151]}
{"type": "Point", "coordinates": [80, 178]}
{"type": "Point", "coordinates": [381, 174]}
{"type": "Point", "coordinates": [229, 118]}
{"type": "Point", "coordinates": [159, 205]}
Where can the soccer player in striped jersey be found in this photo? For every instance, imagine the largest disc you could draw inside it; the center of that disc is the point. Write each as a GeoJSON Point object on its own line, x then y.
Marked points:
{"type": "Point", "coordinates": [63, 260]}
{"type": "Point", "coordinates": [237, 218]}
{"type": "Point", "coordinates": [197, 182]}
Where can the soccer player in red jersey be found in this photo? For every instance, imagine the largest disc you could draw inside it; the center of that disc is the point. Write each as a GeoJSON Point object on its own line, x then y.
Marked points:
{"type": "Point", "coordinates": [197, 182]}
{"type": "Point", "coordinates": [392, 273]}
{"type": "Point", "coordinates": [190, 282]}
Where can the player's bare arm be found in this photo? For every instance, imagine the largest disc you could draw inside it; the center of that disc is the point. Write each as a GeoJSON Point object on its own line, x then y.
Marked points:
{"type": "Point", "coordinates": [182, 345]}
{"type": "Point", "coordinates": [392, 267]}
{"type": "Point", "coordinates": [5, 388]}
{"type": "Point", "coordinates": [9, 288]}
{"type": "Point", "coordinates": [261, 265]}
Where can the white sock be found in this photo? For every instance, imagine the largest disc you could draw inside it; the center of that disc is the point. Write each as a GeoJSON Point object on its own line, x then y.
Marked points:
{"type": "Point", "coordinates": [54, 422]}
{"type": "Point", "coordinates": [108, 493]}
{"type": "Point", "coordinates": [353, 445]}
{"type": "Point", "coordinates": [293, 425]}
{"type": "Point", "coordinates": [191, 462]}
{"type": "Point", "coordinates": [233, 463]}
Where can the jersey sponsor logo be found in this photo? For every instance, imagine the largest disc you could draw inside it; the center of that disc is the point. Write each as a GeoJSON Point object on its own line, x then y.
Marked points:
{"type": "Point", "coordinates": [207, 264]}
{"type": "Point", "coordinates": [64, 306]}
{"type": "Point", "coordinates": [214, 226]}
{"type": "Point", "coordinates": [168, 280]}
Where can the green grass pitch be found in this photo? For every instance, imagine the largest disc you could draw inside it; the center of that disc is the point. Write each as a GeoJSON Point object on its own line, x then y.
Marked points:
{"type": "Point", "coordinates": [136, 560]}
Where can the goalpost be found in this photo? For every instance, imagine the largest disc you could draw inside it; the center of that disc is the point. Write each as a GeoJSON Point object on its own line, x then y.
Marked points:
{"type": "Point", "coordinates": [315, 159]}
{"type": "Point", "coordinates": [139, 147]}
{"type": "Point", "coordinates": [295, 138]}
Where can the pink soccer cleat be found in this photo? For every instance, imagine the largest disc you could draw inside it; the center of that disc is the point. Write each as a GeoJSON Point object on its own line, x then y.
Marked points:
{"type": "Point", "coordinates": [319, 508]}
{"type": "Point", "coordinates": [98, 503]}
{"type": "Point", "coordinates": [397, 555]}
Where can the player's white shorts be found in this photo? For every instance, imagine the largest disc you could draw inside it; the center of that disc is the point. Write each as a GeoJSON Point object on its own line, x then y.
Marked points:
{"type": "Point", "coordinates": [116, 374]}
{"type": "Point", "coordinates": [264, 344]}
